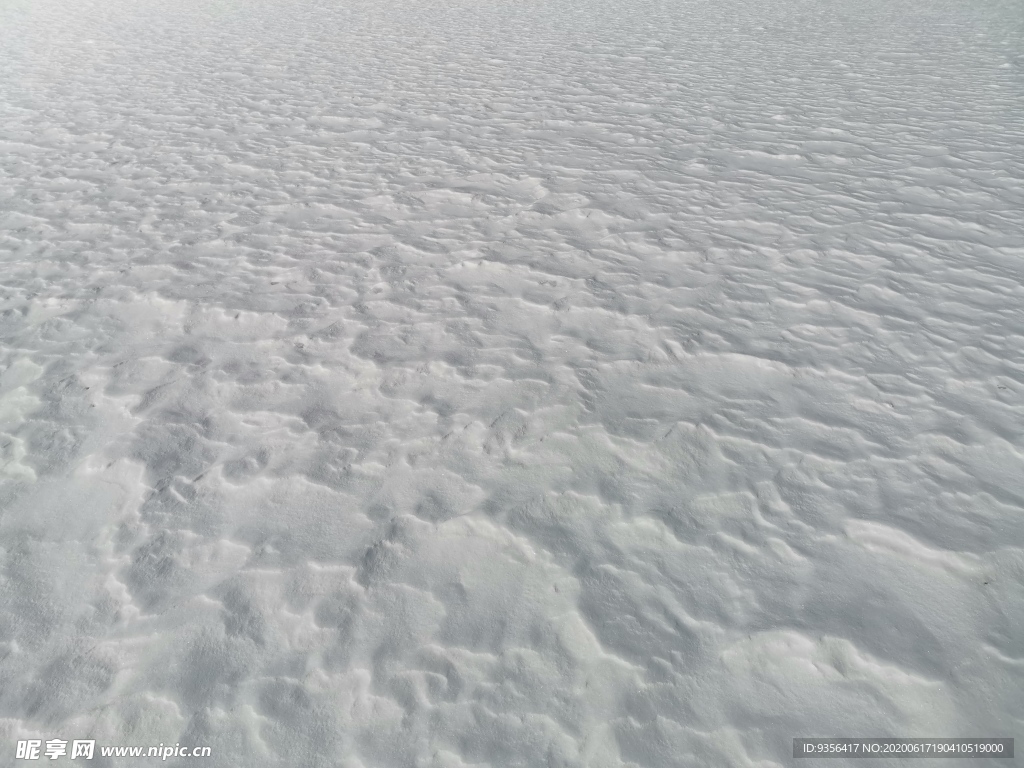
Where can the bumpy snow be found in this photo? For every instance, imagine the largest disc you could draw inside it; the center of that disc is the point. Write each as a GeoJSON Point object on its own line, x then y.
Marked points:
{"type": "Point", "coordinates": [436, 383]}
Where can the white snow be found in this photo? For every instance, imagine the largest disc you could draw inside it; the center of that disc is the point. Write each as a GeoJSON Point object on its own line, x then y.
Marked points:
{"type": "Point", "coordinates": [542, 383]}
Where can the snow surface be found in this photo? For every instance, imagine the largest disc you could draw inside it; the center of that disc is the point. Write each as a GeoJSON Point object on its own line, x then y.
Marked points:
{"type": "Point", "coordinates": [441, 383]}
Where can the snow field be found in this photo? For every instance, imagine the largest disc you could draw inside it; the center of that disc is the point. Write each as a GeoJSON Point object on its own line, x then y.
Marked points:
{"type": "Point", "coordinates": [569, 383]}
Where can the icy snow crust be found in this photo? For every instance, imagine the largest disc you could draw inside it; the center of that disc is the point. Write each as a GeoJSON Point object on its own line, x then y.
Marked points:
{"type": "Point", "coordinates": [568, 383]}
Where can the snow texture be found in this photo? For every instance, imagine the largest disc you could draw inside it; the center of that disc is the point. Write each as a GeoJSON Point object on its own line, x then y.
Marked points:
{"type": "Point", "coordinates": [436, 383]}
